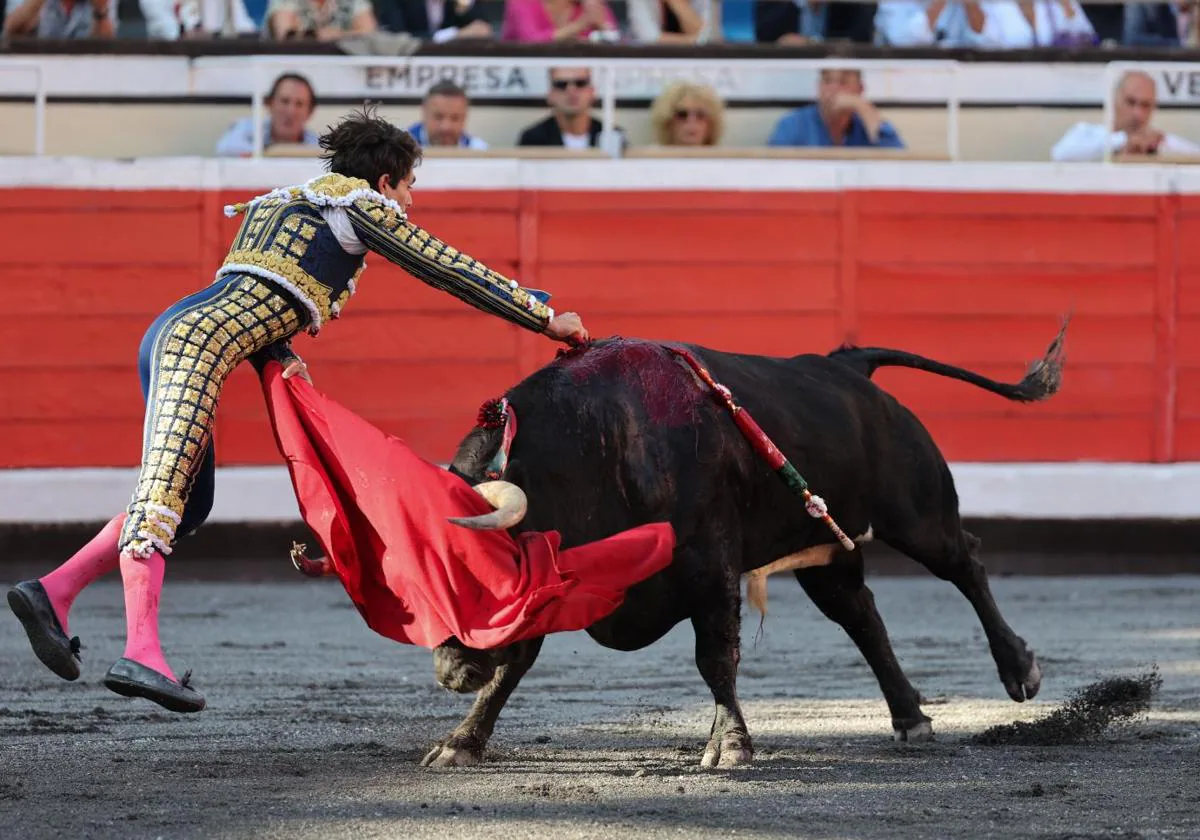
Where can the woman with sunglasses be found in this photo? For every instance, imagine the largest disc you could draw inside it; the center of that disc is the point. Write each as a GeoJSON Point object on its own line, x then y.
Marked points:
{"type": "Point", "coordinates": [293, 266]}
{"type": "Point", "coordinates": [688, 114]}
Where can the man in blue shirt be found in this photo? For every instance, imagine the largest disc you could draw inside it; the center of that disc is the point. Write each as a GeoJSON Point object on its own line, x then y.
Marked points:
{"type": "Point", "coordinates": [841, 117]}
{"type": "Point", "coordinates": [444, 122]}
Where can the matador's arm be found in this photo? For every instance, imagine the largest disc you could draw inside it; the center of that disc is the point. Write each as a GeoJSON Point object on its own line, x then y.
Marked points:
{"type": "Point", "coordinates": [388, 233]}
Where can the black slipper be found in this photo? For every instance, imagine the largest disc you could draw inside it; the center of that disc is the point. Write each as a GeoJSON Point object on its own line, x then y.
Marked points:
{"type": "Point", "coordinates": [133, 679]}
{"type": "Point", "coordinates": [31, 604]}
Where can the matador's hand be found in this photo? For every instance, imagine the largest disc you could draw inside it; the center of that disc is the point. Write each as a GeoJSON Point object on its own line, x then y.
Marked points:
{"type": "Point", "coordinates": [297, 367]}
{"type": "Point", "coordinates": [567, 327]}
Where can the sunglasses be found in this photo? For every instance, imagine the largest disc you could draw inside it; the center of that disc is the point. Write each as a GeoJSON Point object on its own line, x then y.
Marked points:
{"type": "Point", "coordinates": [682, 114]}
{"type": "Point", "coordinates": [563, 84]}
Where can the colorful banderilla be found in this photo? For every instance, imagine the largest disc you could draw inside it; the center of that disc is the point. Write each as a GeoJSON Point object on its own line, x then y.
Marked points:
{"type": "Point", "coordinates": [766, 449]}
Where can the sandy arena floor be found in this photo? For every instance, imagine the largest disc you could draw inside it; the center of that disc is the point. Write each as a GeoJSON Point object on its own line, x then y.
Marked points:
{"type": "Point", "coordinates": [315, 727]}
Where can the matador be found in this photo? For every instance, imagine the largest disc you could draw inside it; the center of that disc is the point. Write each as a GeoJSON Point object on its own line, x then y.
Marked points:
{"type": "Point", "coordinates": [293, 266]}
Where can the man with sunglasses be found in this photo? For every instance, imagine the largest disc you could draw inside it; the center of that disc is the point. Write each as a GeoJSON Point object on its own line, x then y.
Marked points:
{"type": "Point", "coordinates": [570, 123]}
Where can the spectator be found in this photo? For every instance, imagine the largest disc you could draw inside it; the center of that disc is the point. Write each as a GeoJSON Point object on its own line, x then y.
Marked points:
{"type": "Point", "coordinates": [325, 20]}
{"type": "Point", "coordinates": [810, 21]}
{"type": "Point", "coordinates": [444, 119]}
{"type": "Point", "coordinates": [1136, 98]}
{"type": "Point", "coordinates": [61, 19]}
{"type": "Point", "coordinates": [1052, 23]}
{"type": "Point", "coordinates": [437, 20]}
{"type": "Point", "coordinates": [1189, 24]}
{"type": "Point", "coordinates": [843, 116]}
{"type": "Point", "coordinates": [1151, 25]}
{"type": "Point", "coordinates": [977, 24]}
{"type": "Point", "coordinates": [290, 104]}
{"type": "Point", "coordinates": [154, 20]}
{"type": "Point", "coordinates": [674, 21]}
{"type": "Point", "coordinates": [570, 123]}
{"type": "Point", "coordinates": [541, 21]}
{"type": "Point", "coordinates": [688, 114]}
{"type": "Point", "coordinates": [209, 18]}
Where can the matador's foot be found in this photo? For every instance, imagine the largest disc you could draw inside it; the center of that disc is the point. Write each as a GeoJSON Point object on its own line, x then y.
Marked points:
{"type": "Point", "coordinates": [31, 604]}
{"type": "Point", "coordinates": [133, 679]}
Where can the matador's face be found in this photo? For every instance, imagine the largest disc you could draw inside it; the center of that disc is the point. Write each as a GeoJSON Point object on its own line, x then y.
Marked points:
{"type": "Point", "coordinates": [401, 192]}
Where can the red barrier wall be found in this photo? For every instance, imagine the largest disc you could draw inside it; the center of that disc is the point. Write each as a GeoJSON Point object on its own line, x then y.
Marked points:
{"type": "Point", "coordinates": [977, 279]}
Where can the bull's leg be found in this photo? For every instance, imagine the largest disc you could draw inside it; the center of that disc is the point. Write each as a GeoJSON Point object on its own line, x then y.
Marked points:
{"type": "Point", "coordinates": [840, 593]}
{"type": "Point", "coordinates": [954, 559]}
{"type": "Point", "coordinates": [717, 623]}
{"type": "Point", "coordinates": [467, 742]}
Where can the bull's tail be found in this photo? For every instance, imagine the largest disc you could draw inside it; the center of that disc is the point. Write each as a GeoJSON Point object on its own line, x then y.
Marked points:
{"type": "Point", "coordinates": [1040, 382]}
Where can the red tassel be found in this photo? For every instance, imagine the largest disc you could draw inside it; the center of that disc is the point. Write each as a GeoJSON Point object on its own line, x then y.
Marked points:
{"type": "Point", "coordinates": [491, 414]}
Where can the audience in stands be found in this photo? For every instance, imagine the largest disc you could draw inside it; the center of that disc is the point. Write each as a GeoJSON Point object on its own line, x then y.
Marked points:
{"type": "Point", "coordinates": [813, 21]}
{"type": "Point", "coordinates": [541, 21]}
{"type": "Point", "coordinates": [1136, 97]}
{"type": "Point", "coordinates": [842, 116]}
{"type": "Point", "coordinates": [290, 104]}
{"type": "Point", "coordinates": [978, 24]}
{"type": "Point", "coordinates": [61, 19]}
{"type": "Point", "coordinates": [433, 20]}
{"type": "Point", "coordinates": [324, 20]}
{"type": "Point", "coordinates": [444, 118]}
{"type": "Point", "coordinates": [570, 123]}
{"type": "Point", "coordinates": [674, 21]}
{"type": "Point", "coordinates": [688, 114]}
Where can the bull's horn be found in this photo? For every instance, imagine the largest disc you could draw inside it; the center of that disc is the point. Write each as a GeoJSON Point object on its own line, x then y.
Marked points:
{"type": "Point", "coordinates": [509, 502]}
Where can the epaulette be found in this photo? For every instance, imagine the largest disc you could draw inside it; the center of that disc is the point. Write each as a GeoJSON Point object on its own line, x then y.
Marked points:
{"type": "Point", "coordinates": [331, 190]}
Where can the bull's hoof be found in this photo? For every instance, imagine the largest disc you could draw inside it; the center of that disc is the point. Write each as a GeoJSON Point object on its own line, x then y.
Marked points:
{"type": "Point", "coordinates": [912, 732]}
{"type": "Point", "coordinates": [446, 755]}
{"type": "Point", "coordinates": [733, 750]}
{"type": "Point", "coordinates": [1025, 683]}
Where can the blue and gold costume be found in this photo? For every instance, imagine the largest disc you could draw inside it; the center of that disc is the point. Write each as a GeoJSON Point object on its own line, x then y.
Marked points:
{"type": "Point", "coordinates": [294, 264]}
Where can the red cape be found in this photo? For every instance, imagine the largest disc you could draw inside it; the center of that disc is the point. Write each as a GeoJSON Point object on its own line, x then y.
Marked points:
{"type": "Point", "coordinates": [380, 513]}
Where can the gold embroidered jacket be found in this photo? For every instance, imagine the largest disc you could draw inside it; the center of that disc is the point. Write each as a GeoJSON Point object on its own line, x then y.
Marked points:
{"type": "Point", "coordinates": [312, 240]}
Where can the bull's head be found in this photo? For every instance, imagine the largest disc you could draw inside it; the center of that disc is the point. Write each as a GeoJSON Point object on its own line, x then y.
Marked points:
{"type": "Point", "coordinates": [456, 666]}
{"type": "Point", "coordinates": [481, 459]}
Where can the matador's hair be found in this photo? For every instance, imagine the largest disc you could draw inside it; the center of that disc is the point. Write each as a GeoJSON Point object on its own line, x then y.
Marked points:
{"type": "Point", "coordinates": [366, 146]}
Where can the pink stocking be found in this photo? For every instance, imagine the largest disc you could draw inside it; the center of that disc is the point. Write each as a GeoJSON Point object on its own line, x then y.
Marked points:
{"type": "Point", "coordinates": [143, 585]}
{"type": "Point", "coordinates": [99, 557]}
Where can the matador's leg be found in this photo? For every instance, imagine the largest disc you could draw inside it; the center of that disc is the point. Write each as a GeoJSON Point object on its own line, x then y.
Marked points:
{"type": "Point", "coordinates": [195, 348]}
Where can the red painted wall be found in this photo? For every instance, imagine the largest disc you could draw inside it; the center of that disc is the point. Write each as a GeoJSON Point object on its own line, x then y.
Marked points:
{"type": "Point", "coordinates": [977, 279]}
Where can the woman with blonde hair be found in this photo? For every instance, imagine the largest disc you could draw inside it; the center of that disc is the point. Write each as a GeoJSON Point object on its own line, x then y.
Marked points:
{"type": "Point", "coordinates": [688, 114]}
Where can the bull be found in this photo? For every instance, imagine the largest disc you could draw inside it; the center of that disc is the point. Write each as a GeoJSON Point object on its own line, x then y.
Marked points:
{"type": "Point", "coordinates": [621, 433]}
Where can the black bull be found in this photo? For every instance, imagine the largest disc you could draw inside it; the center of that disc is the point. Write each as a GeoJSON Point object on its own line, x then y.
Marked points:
{"type": "Point", "coordinates": [623, 434]}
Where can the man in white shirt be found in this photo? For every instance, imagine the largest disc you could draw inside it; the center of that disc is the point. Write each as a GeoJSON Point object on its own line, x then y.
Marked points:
{"type": "Point", "coordinates": [976, 24]}
{"type": "Point", "coordinates": [1136, 99]}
